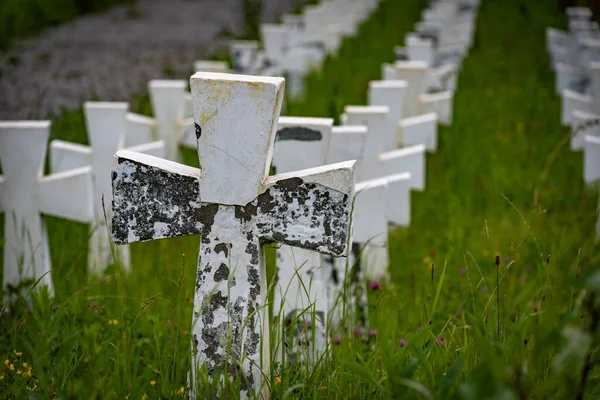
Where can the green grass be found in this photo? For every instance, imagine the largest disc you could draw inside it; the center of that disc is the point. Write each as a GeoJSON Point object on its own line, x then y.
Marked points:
{"type": "Point", "coordinates": [503, 181]}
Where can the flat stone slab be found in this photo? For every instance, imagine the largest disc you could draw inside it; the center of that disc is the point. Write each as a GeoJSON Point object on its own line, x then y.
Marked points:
{"type": "Point", "coordinates": [114, 54]}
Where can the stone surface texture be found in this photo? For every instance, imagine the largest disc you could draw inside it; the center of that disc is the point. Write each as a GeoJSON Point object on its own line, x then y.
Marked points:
{"type": "Point", "coordinates": [112, 55]}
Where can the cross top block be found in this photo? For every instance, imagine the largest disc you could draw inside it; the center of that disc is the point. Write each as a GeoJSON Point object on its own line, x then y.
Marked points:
{"type": "Point", "coordinates": [235, 136]}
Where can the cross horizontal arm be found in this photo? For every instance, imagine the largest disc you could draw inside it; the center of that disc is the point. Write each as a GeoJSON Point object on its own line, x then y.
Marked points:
{"type": "Point", "coordinates": [154, 198]}
{"type": "Point", "coordinates": [77, 205]}
{"type": "Point", "coordinates": [309, 208]}
{"type": "Point", "coordinates": [65, 156]}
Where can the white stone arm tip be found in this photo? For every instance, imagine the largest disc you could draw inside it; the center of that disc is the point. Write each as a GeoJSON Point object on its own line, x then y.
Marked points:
{"type": "Point", "coordinates": [65, 156]}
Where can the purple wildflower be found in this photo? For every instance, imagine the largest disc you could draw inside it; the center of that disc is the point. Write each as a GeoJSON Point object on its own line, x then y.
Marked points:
{"type": "Point", "coordinates": [372, 332]}
{"type": "Point", "coordinates": [419, 329]}
{"type": "Point", "coordinates": [484, 289]}
{"type": "Point", "coordinates": [375, 285]}
{"type": "Point", "coordinates": [337, 340]}
{"type": "Point", "coordinates": [402, 342]}
{"type": "Point", "coordinates": [441, 341]}
{"type": "Point", "coordinates": [358, 331]}
{"type": "Point", "coordinates": [463, 271]}
{"type": "Point", "coordinates": [54, 309]}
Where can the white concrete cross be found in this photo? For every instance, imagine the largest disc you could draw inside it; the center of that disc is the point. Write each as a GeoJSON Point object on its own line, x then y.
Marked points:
{"type": "Point", "coordinates": [25, 194]}
{"type": "Point", "coordinates": [233, 204]}
{"type": "Point", "coordinates": [246, 56]}
{"type": "Point", "coordinates": [421, 129]}
{"type": "Point", "coordinates": [417, 101]}
{"type": "Point", "coordinates": [377, 162]}
{"type": "Point", "coordinates": [301, 287]}
{"type": "Point", "coordinates": [106, 125]}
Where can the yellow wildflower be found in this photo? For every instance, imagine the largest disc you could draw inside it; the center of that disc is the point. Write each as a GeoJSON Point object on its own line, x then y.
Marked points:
{"type": "Point", "coordinates": [6, 362]}
{"type": "Point", "coordinates": [19, 372]}
{"type": "Point", "coordinates": [28, 373]}
{"type": "Point", "coordinates": [12, 367]}
{"type": "Point", "coordinates": [181, 390]}
{"type": "Point", "coordinates": [97, 347]}
{"type": "Point", "coordinates": [25, 364]}
{"type": "Point", "coordinates": [185, 332]}
{"type": "Point", "coordinates": [113, 322]}
{"type": "Point", "coordinates": [153, 382]}
{"type": "Point", "coordinates": [144, 396]}
{"type": "Point", "coordinates": [427, 260]}
{"type": "Point", "coordinates": [277, 380]}
{"type": "Point", "coordinates": [18, 353]}
{"type": "Point", "coordinates": [1, 377]}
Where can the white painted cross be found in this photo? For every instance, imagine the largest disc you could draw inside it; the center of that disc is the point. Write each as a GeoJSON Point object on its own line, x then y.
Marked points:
{"type": "Point", "coordinates": [301, 287]}
{"type": "Point", "coordinates": [106, 125]}
{"type": "Point", "coordinates": [25, 194]}
{"type": "Point", "coordinates": [417, 101]}
{"type": "Point", "coordinates": [246, 56]}
{"type": "Point", "coordinates": [400, 132]}
{"type": "Point", "coordinates": [376, 162]}
{"type": "Point", "coordinates": [233, 204]}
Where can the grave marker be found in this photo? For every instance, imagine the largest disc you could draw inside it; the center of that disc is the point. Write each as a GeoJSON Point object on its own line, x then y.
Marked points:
{"type": "Point", "coordinates": [106, 125]}
{"type": "Point", "coordinates": [301, 143]}
{"type": "Point", "coordinates": [240, 205]}
{"type": "Point", "coordinates": [26, 193]}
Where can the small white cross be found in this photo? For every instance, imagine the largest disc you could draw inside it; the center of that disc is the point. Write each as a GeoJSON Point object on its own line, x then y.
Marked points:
{"type": "Point", "coordinates": [25, 194]}
{"type": "Point", "coordinates": [106, 125]}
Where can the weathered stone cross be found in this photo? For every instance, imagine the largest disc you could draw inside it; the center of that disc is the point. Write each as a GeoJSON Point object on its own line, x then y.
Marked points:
{"type": "Point", "coordinates": [233, 203]}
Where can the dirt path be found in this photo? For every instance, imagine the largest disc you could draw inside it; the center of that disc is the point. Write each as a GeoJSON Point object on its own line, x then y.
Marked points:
{"type": "Point", "coordinates": [111, 56]}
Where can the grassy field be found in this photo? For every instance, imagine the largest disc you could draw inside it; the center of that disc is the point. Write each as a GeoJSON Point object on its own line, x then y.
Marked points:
{"type": "Point", "coordinates": [503, 182]}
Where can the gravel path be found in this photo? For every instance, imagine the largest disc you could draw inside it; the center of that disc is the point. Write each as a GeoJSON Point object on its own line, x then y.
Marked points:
{"type": "Point", "coordinates": [111, 56]}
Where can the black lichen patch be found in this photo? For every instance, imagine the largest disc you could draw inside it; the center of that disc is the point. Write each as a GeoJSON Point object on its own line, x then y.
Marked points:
{"type": "Point", "coordinates": [222, 247]}
{"type": "Point", "coordinates": [245, 213]}
{"type": "Point", "coordinates": [299, 133]}
{"type": "Point", "coordinates": [216, 301]}
{"type": "Point", "coordinates": [222, 273]}
{"type": "Point", "coordinates": [252, 249]}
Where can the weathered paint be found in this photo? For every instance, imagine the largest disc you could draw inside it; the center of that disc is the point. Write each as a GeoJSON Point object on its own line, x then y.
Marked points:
{"type": "Point", "coordinates": [155, 198]}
